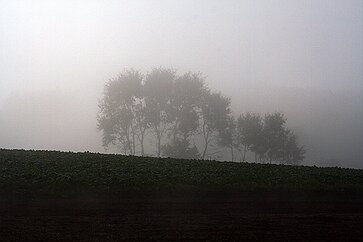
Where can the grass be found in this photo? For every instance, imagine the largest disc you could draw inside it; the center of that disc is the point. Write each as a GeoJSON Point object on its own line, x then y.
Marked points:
{"type": "Point", "coordinates": [51, 173]}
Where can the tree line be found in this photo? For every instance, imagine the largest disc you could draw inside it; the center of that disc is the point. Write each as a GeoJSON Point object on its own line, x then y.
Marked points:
{"type": "Point", "coordinates": [179, 111]}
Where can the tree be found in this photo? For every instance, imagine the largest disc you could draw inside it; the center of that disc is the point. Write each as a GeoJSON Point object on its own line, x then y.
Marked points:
{"type": "Point", "coordinates": [275, 134]}
{"type": "Point", "coordinates": [268, 138]}
{"type": "Point", "coordinates": [215, 112]}
{"type": "Point", "coordinates": [117, 119]}
{"type": "Point", "coordinates": [293, 153]}
{"type": "Point", "coordinates": [184, 103]}
{"type": "Point", "coordinates": [281, 143]}
{"type": "Point", "coordinates": [182, 107]}
{"type": "Point", "coordinates": [227, 136]}
{"type": "Point", "coordinates": [158, 93]}
{"type": "Point", "coordinates": [142, 122]}
{"type": "Point", "coordinates": [249, 133]}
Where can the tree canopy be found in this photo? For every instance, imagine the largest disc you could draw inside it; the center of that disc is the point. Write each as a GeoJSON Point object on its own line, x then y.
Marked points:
{"type": "Point", "coordinates": [183, 118]}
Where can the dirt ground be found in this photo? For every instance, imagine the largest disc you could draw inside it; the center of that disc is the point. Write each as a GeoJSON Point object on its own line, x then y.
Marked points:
{"type": "Point", "coordinates": [182, 218]}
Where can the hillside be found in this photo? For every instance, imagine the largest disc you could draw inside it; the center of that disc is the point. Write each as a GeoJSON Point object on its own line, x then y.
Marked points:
{"type": "Point", "coordinates": [66, 173]}
{"type": "Point", "coordinates": [65, 196]}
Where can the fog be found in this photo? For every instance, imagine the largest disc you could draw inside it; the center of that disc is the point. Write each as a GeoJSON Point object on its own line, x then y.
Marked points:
{"type": "Point", "coordinates": [303, 58]}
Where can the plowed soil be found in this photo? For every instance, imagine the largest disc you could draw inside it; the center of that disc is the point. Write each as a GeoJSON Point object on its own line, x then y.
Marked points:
{"type": "Point", "coordinates": [163, 218]}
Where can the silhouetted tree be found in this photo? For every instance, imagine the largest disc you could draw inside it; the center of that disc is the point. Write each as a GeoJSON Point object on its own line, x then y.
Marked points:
{"type": "Point", "coordinates": [215, 112]}
{"type": "Point", "coordinates": [181, 107]}
{"type": "Point", "coordinates": [280, 143]}
{"type": "Point", "coordinates": [122, 96]}
{"type": "Point", "coordinates": [186, 99]}
{"type": "Point", "coordinates": [249, 133]}
{"type": "Point", "coordinates": [227, 136]}
{"type": "Point", "coordinates": [184, 104]}
{"type": "Point", "coordinates": [141, 122]}
{"type": "Point", "coordinates": [268, 138]}
{"type": "Point", "coordinates": [293, 153]}
{"type": "Point", "coordinates": [158, 93]}
{"type": "Point", "coordinates": [275, 134]}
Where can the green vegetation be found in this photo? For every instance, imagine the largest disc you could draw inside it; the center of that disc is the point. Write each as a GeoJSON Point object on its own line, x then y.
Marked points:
{"type": "Point", "coordinates": [53, 172]}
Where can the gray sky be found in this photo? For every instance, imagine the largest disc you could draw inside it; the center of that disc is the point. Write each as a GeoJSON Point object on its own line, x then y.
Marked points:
{"type": "Point", "coordinates": [301, 57]}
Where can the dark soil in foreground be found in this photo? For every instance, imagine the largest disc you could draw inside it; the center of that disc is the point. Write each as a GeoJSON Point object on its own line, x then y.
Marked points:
{"type": "Point", "coordinates": [184, 218]}
{"type": "Point", "coordinates": [65, 196]}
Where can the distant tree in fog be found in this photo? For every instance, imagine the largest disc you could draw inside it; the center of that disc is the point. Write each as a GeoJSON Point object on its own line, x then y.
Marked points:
{"type": "Point", "coordinates": [275, 133]}
{"type": "Point", "coordinates": [269, 138]}
{"type": "Point", "coordinates": [249, 134]}
{"type": "Point", "coordinates": [141, 121]}
{"type": "Point", "coordinates": [121, 116]}
{"type": "Point", "coordinates": [215, 115]}
{"type": "Point", "coordinates": [293, 153]}
{"type": "Point", "coordinates": [158, 93]}
{"type": "Point", "coordinates": [179, 111]}
{"type": "Point", "coordinates": [227, 136]}
{"type": "Point", "coordinates": [184, 107]}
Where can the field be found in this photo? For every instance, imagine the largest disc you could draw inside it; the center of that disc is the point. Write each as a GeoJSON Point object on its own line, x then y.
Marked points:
{"type": "Point", "coordinates": [49, 195]}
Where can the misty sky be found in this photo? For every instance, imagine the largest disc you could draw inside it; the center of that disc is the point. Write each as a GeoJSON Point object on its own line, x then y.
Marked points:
{"type": "Point", "coordinates": [303, 57]}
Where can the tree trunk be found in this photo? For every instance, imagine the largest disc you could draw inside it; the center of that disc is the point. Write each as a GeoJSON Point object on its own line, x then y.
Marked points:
{"type": "Point", "coordinates": [206, 141]}
{"type": "Point", "coordinates": [128, 141]}
{"type": "Point", "coordinates": [142, 144]}
{"type": "Point", "coordinates": [158, 139]}
{"type": "Point", "coordinates": [244, 153]}
{"type": "Point", "coordinates": [125, 150]}
{"type": "Point", "coordinates": [205, 149]}
{"type": "Point", "coordinates": [205, 136]}
{"type": "Point", "coordinates": [133, 143]}
{"type": "Point", "coordinates": [159, 147]}
{"type": "Point", "coordinates": [158, 136]}
{"type": "Point", "coordinates": [232, 153]}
